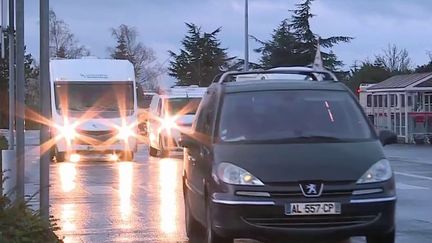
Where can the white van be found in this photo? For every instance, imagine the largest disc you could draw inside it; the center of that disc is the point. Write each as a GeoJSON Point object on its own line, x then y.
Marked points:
{"type": "Point", "coordinates": [171, 114]}
{"type": "Point", "coordinates": [94, 109]}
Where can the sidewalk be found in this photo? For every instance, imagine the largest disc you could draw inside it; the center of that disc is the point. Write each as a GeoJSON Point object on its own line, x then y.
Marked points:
{"type": "Point", "coordinates": [410, 152]}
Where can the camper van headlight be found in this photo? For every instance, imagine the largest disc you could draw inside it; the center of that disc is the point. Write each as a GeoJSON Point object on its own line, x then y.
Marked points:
{"type": "Point", "coordinates": [380, 171]}
{"type": "Point", "coordinates": [124, 132]}
{"type": "Point", "coordinates": [68, 132]}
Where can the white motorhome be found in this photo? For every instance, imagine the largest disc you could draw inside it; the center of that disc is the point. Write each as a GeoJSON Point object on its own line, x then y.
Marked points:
{"type": "Point", "coordinates": [170, 114]}
{"type": "Point", "coordinates": [94, 109]}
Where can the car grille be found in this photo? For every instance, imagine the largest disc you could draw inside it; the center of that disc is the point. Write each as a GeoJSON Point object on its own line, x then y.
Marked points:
{"type": "Point", "coordinates": [311, 221]}
{"type": "Point", "coordinates": [92, 137]}
{"type": "Point", "coordinates": [334, 189]}
{"type": "Point", "coordinates": [299, 194]}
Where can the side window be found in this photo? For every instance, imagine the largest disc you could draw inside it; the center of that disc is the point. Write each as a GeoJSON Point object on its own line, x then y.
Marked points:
{"type": "Point", "coordinates": [369, 100]}
{"type": "Point", "coordinates": [159, 107]}
{"type": "Point", "coordinates": [153, 103]}
{"type": "Point", "coordinates": [201, 114]}
{"type": "Point", "coordinates": [209, 118]}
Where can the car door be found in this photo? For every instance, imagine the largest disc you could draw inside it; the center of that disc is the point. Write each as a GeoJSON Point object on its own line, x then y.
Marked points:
{"type": "Point", "coordinates": [193, 163]}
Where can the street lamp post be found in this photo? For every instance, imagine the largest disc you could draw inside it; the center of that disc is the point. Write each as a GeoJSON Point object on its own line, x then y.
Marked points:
{"type": "Point", "coordinates": [246, 61]}
{"type": "Point", "coordinates": [44, 108]}
{"type": "Point", "coordinates": [20, 103]}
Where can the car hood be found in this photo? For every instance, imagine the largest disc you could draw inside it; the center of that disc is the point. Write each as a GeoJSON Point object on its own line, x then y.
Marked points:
{"type": "Point", "coordinates": [280, 163]}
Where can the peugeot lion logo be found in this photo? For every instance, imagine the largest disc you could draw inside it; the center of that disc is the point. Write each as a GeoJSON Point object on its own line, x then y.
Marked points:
{"type": "Point", "coordinates": [311, 189]}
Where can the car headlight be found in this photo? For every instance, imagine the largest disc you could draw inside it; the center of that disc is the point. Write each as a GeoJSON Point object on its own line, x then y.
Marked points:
{"type": "Point", "coordinates": [168, 123]}
{"type": "Point", "coordinates": [68, 132]}
{"type": "Point", "coordinates": [125, 132]}
{"type": "Point", "coordinates": [380, 171]}
{"type": "Point", "coordinates": [235, 175]}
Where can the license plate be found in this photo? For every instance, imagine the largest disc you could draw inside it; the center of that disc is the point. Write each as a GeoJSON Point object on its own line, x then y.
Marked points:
{"type": "Point", "coordinates": [318, 208]}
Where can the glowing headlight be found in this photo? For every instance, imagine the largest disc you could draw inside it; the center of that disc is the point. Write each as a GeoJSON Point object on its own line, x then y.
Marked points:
{"type": "Point", "coordinates": [168, 123]}
{"type": "Point", "coordinates": [232, 174]}
{"type": "Point", "coordinates": [380, 171]}
{"type": "Point", "coordinates": [125, 132]}
{"type": "Point", "coordinates": [68, 132]}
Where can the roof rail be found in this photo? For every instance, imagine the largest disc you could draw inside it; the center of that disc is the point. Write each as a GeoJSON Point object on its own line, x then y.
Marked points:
{"type": "Point", "coordinates": [307, 71]}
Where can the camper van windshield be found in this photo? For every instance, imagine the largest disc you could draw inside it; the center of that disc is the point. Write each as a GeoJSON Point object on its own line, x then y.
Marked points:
{"type": "Point", "coordinates": [100, 97]}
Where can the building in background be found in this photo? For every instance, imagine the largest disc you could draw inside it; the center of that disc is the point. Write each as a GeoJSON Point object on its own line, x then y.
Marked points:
{"type": "Point", "coordinates": [403, 104]}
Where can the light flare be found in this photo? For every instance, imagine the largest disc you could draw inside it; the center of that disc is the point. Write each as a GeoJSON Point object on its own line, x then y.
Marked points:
{"type": "Point", "coordinates": [125, 170]}
{"type": "Point", "coordinates": [68, 174]}
{"type": "Point", "coordinates": [168, 202]}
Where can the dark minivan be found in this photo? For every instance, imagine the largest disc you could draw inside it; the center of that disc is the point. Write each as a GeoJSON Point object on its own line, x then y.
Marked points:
{"type": "Point", "coordinates": [275, 159]}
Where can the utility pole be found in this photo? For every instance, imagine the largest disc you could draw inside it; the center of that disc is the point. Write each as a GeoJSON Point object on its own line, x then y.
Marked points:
{"type": "Point", "coordinates": [11, 34]}
{"type": "Point", "coordinates": [246, 64]}
{"type": "Point", "coordinates": [20, 103]}
{"type": "Point", "coordinates": [44, 108]}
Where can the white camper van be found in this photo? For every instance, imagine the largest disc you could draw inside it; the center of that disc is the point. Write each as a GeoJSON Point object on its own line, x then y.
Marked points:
{"type": "Point", "coordinates": [94, 109]}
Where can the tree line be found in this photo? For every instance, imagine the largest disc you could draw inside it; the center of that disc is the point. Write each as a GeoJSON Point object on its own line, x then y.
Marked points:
{"type": "Point", "coordinates": [293, 43]}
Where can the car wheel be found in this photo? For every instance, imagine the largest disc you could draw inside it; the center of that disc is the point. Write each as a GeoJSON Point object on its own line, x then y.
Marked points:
{"type": "Point", "coordinates": [384, 238]}
{"type": "Point", "coordinates": [59, 156]}
{"type": "Point", "coordinates": [193, 227]}
{"type": "Point", "coordinates": [211, 236]}
{"type": "Point", "coordinates": [163, 151]}
{"type": "Point", "coordinates": [127, 156]}
{"type": "Point", "coordinates": [153, 152]}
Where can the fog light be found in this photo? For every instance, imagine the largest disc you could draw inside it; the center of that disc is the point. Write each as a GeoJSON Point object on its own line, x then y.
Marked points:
{"type": "Point", "coordinates": [74, 158]}
{"type": "Point", "coordinates": [113, 157]}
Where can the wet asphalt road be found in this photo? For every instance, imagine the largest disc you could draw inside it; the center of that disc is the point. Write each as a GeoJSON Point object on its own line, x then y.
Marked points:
{"type": "Point", "coordinates": [142, 201]}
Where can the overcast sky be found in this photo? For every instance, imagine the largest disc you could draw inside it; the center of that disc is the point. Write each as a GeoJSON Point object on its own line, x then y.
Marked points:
{"type": "Point", "coordinates": [160, 23]}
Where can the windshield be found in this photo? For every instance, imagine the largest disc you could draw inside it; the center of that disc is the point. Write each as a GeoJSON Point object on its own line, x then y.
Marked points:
{"type": "Point", "coordinates": [182, 106]}
{"type": "Point", "coordinates": [292, 116]}
{"type": "Point", "coordinates": [100, 97]}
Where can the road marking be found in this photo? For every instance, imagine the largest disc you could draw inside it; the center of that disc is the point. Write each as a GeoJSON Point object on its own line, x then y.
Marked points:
{"type": "Point", "coordinates": [414, 176]}
{"type": "Point", "coordinates": [403, 186]}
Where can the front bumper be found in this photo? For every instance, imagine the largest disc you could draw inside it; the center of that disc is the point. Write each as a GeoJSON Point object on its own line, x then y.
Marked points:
{"type": "Point", "coordinates": [131, 145]}
{"type": "Point", "coordinates": [264, 219]}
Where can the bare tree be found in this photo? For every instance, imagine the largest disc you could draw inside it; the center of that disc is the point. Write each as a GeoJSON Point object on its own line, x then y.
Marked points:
{"type": "Point", "coordinates": [63, 43]}
{"type": "Point", "coordinates": [142, 57]}
{"type": "Point", "coordinates": [394, 59]}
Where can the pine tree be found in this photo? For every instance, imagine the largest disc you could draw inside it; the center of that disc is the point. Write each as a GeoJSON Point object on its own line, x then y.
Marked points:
{"type": "Point", "coordinates": [294, 43]}
{"type": "Point", "coordinates": [31, 73]}
{"type": "Point", "coordinates": [201, 58]}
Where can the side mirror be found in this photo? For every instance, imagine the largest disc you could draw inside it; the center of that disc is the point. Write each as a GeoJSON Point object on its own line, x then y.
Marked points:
{"type": "Point", "coordinates": [387, 137]}
{"type": "Point", "coordinates": [187, 141]}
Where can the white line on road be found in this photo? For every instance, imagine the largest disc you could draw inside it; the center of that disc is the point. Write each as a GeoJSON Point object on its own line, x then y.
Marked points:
{"type": "Point", "coordinates": [403, 186]}
{"type": "Point", "coordinates": [414, 176]}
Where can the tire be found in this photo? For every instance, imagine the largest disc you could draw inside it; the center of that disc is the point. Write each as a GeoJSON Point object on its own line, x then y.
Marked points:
{"type": "Point", "coordinates": [163, 152]}
{"type": "Point", "coordinates": [384, 238]}
{"type": "Point", "coordinates": [210, 235]}
{"type": "Point", "coordinates": [193, 227]}
{"type": "Point", "coordinates": [153, 152]}
{"type": "Point", "coordinates": [60, 156]}
{"type": "Point", "coordinates": [127, 156]}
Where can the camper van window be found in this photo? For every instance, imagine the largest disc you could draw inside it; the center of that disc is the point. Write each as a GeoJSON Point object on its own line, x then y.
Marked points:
{"type": "Point", "coordinates": [369, 100]}
{"type": "Point", "coordinates": [101, 97]}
